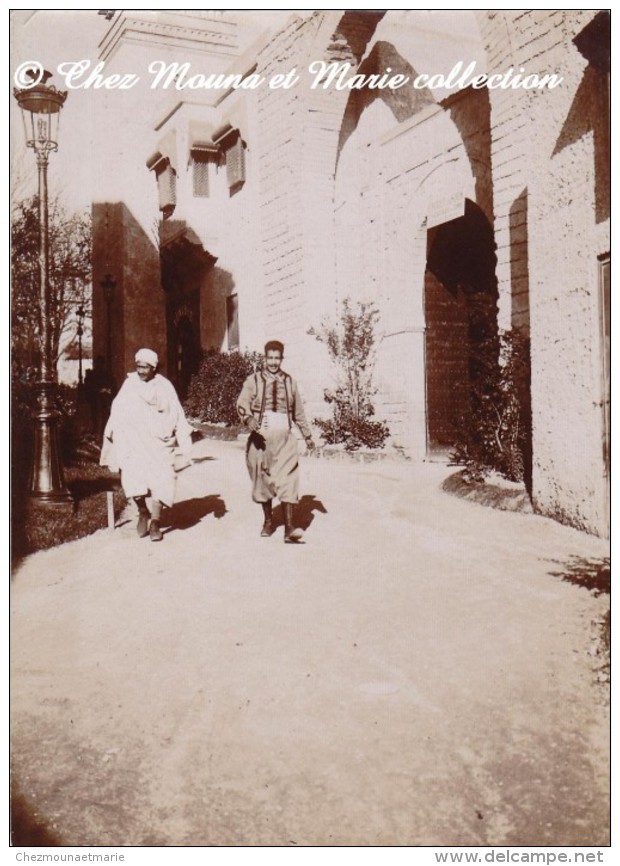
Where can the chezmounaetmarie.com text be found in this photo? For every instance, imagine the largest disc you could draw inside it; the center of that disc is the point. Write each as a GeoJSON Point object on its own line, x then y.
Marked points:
{"type": "Point", "coordinates": [82, 75]}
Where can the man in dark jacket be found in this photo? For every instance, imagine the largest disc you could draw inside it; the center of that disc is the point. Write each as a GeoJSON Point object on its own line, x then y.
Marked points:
{"type": "Point", "coordinates": [269, 405]}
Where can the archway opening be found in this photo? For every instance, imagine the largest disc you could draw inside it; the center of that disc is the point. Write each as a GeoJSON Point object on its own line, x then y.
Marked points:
{"type": "Point", "coordinates": [460, 307]}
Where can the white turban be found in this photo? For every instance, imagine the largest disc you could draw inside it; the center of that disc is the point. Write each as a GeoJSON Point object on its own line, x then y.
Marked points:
{"type": "Point", "coordinates": [147, 356]}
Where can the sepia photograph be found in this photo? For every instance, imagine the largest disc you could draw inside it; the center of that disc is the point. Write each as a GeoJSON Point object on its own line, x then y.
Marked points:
{"type": "Point", "coordinates": [310, 432]}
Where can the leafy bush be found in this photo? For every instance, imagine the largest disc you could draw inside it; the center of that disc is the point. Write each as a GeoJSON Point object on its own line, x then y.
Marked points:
{"type": "Point", "coordinates": [354, 432]}
{"type": "Point", "coordinates": [213, 390]}
{"type": "Point", "coordinates": [24, 384]}
{"type": "Point", "coordinates": [496, 433]}
{"type": "Point", "coordinates": [350, 345]}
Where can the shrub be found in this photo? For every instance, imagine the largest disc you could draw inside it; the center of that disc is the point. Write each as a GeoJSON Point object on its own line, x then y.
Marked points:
{"type": "Point", "coordinates": [354, 432]}
{"type": "Point", "coordinates": [350, 345]}
{"type": "Point", "coordinates": [495, 434]}
{"type": "Point", "coordinates": [213, 390]}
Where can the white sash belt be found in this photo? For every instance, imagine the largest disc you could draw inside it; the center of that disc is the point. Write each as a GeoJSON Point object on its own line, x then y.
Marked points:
{"type": "Point", "coordinates": [274, 421]}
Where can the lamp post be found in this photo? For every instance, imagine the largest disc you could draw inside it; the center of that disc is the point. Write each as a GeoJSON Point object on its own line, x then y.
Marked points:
{"type": "Point", "coordinates": [40, 105]}
{"type": "Point", "coordinates": [80, 313]}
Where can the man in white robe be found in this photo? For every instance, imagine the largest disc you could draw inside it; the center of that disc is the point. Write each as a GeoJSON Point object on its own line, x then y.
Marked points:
{"type": "Point", "coordinates": [146, 425]}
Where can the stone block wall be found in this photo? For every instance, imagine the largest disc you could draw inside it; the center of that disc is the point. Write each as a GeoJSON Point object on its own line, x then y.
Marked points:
{"type": "Point", "coordinates": [550, 228]}
{"type": "Point", "coordinates": [298, 134]}
{"type": "Point", "coordinates": [123, 250]}
{"type": "Point", "coordinates": [348, 223]}
{"type": "Point", "coordinates": [338, 202]}
{"type": "Point", "coordinates": [384, 199]}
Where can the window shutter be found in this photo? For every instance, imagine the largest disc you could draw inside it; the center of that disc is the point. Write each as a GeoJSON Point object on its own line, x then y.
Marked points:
{"type": "Point", "coordinates": [200, 175]}
{"type": "Point", "coordinates": [167, 189]}
{"type": "Point", "coordinates": [235, 164]}
{"type": "Point", "coordinates": [228, 138]}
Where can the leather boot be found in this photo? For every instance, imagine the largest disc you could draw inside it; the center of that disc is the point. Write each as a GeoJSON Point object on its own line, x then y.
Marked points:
{"type": "Point", "coordinates": [144, 515]}
{"type": "Point", "coordinates": [267, 529]}
{"type": "Point", "coordinates": [291, 535]}
{"type": "Point", "coordinates": [155, 532]}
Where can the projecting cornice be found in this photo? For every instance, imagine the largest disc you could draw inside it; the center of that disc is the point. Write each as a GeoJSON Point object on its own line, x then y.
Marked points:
{"type": "Point", "coordinates": [200, 32]}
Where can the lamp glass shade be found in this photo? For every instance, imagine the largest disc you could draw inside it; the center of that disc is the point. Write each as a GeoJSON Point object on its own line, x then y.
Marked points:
{"type": "Point", "coordinates": [40, 106]}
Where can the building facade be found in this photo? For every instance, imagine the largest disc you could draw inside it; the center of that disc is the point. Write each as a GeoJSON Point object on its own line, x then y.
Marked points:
{"type": "Point", "coordinates": [232, 211]}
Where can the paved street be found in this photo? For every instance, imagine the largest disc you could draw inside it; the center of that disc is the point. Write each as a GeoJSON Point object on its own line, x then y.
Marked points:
{"type": "Point", "coordinates": [417, 673]}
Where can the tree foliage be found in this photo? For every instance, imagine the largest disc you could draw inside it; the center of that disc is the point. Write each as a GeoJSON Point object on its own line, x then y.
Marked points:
{"type": "Point", "coordinates": [213, 390]}
{"type": "Point", "coordinates": [69, 275]}
{"type": "Point", "coordinates": [350, 344]}
{"type": "Point", "coordinates": [495, 435]}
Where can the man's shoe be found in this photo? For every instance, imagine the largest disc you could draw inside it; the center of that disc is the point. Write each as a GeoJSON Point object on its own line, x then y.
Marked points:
{"type": "Point", "coordinates": [267, 529]}
{"type": "Point", "coordinates": [295, 536]}
{"type": "Point", "coordinates": [143, 524]}
{"type": "Point", "coordinates": [291, 535]}
{"type": "Point", "coordinates": [155, 532]}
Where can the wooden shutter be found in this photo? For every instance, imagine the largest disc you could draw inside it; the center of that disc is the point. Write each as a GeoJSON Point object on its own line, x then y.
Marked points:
{"type": "Point", "coordinates": [235, 164]}
{"type": "Point", "coordinates": [167, 188]}
{"type": "Point", "coordinates": [200, 164]}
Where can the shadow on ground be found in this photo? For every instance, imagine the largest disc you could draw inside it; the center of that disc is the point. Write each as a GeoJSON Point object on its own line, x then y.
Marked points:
{"type": "Point", "coordinates": [507, 496]}
{"type": "Point", "coordinates": [184, 515]}
{"type": "Point", "coordinates": [303, 514]}
{"type": "Point", "coordinates": [595, 576]}
{"type": "Point", "coordinates": [181, 464]}
{"type": "Point", "coordinates": [592, 574]}
{"type": "Point", "coordinates": [26, 827]}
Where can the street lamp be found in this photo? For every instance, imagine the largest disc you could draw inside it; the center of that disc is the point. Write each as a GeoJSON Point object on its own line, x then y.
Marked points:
{"type": "Point", "coordinates": [40, 105]}
{"type": "Point", "coordinates": [80, 313]}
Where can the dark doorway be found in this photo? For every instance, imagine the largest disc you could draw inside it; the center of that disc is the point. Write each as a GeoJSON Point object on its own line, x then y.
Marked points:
{"type": "Point", "coordinates": [460, 305]}
{"type": "Point", "coordinates": [447, 352]}
{"type": "Point", "coordinates": [187, 355]}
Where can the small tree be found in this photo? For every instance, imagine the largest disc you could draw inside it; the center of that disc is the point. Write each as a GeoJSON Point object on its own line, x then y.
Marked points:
{"type": "Point", "coordinates": [69, 275]}
{"type": "Point", "coordinates": [495, 433]}
{"type": "Point", "coordinates": [350, 344]}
